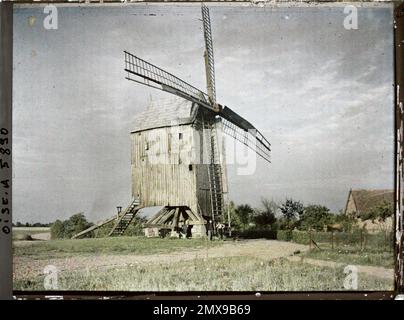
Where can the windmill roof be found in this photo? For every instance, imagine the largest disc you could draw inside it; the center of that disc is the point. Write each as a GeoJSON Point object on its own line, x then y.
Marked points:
{"type": "Point", "coordinates": [165, 113]}
{"type": "Point", "coordinates": [367, 199]}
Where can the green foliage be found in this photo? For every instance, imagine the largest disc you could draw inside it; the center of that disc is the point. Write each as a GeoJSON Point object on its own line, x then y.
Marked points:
{"type": "Point", "coordinates": [315, 217]}
{"type": "Point", "coordinates": [66, 229]}
{"type": "Point", "coordinates": [254, 233]}
{"type": "Point", "coordinates": [57, 230]}
{"type": "Point", "coordinates": [265, 218]}
{"type": "Point", "coordinates": [31, 225]}
{"type": "Point", "coordinates": [104, 230]}
{"type": "Point", "coordinates": [284, 235]}
{"type": "Point", "coordinates": [358, 238]}
{"type": "Point", "coordinates": [231, 210]}
{"type": "Point", "coordinates": [291, 211]}
{"type": "Point", "coordinates": [135, 228]}
{"type": "Point", "coordinates": [379, 213]}
{"type": "Point", "coordinates": [346, 222]}
{"type": "Point", "coordinates": [244, 214]}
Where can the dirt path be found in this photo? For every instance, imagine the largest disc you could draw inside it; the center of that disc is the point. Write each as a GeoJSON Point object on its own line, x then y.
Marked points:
{"type": "Point", "coordinates": [266, 249]}
{"type": "Point", "coordinates": [374, 271]}
{"type": "Point", "coordinates": [41, 236]}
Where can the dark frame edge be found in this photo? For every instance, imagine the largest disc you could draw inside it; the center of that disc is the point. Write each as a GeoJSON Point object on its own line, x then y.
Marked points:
{"type": "Point", "coordinates": [6, 269]}
{"type": "Point", "coordinates": [6, 70]}
{"type": "Point", "coordinates": [398, 33]}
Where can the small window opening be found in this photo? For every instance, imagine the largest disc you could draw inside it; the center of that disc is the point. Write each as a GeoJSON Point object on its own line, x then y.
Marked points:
{"type": "Point", "coordinates": [190, 167]}
{"type": "Point", "coordinates": [180, 135]}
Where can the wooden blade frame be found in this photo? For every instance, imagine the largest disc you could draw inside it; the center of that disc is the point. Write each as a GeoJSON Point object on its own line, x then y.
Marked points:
{"type": "Point", "coordinates": [209, 60]}
{"type": "Point", "coordinates": [252, 138]}
{"type": "Point", "coordinates": [145, 73]}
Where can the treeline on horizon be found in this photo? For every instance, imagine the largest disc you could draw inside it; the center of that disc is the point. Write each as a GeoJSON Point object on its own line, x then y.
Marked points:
{"type": "Point", "coordinates": [270, 215]}
{"type": "Point", "coordinates": [31, 225]}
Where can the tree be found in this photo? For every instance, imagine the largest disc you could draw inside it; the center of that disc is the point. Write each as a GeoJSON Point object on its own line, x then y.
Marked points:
{"type": "Point", "coordinates": [244, 213]}
{"type": "Point", "coordinates": [346, 221]}
{"type": "Point", "coordinates": [66, 229]}
{"type": "Point", "coordinates": [266, 217]}
{"type": "Point", "coordinates": [379, 213]}
{"type": "Point", "coordinates": [291, 210]}
{"type": "Point", "coordinates": [76, 224]}
{"type": "Point", "coordinates": [315, 217]}
{"type": "Point", "coordinates": [57, 230]}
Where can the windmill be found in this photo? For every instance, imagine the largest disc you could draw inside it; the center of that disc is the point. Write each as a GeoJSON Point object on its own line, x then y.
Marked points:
{"type": "Point", "coordinates": [190, 193]}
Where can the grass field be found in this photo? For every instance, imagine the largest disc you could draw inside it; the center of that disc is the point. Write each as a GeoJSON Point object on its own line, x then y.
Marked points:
{"type": "Point", "coordinates": [216, 274]}
{"type": "Point", "coordinates": [94, 246]}
{"type": "Point", "coordinates": [153, 264]}
{"type": "Point", "coordinates": [381, 257]}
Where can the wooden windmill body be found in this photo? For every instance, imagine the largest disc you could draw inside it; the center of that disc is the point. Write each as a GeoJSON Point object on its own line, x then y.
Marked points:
{"type": "Point", "coordinates": [174, 145]}
{"type": "Point", "coordinates": [177, 150]}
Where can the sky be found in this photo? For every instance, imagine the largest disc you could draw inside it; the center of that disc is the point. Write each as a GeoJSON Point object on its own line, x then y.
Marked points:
{"type": "Point", "coordinates": [321, 94]}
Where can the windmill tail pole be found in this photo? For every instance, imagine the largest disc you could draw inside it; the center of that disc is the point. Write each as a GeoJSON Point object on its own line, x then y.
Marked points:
{"type": "Point", "coordinates": [92, 228]}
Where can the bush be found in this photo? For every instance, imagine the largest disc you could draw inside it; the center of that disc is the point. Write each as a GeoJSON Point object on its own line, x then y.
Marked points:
{"type": "Point", "coordinates": [255, 234]}
{"type": "Point", "coordinates": [357, 237]}
{"type": "Point", "coordinates": [135, 228]}
{"type": "Point", "coordinates": [57, 230]}
{"type": "Point", "coordinates": [284, 235]}
{"type": "Point", "coordinates": [66, 229]}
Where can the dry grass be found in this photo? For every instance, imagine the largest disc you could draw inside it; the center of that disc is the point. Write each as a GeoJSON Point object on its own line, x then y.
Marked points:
{"type": "Point", "coordinates": [215, 274]}
{"type": "Point", "coordinates": [381, 257]}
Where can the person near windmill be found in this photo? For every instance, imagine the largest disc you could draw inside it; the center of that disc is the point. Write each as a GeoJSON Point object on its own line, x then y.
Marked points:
{"type": "Point", "coordinates": [209, 229]}
{"type": "Point", "coordinates": [220, 230]}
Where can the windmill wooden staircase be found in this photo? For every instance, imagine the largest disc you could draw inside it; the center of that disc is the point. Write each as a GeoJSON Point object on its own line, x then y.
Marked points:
{"type": "Point", "coordinates": [125, 218]}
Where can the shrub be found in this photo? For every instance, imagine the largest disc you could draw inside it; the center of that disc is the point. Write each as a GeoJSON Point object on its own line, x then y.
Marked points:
{"type": "Point", "coordinates": [135, 228]}
{"type": "Point", "coordinates": [57, 230]}
{"type": "Point", "coordinates": [66, 229]}
{"type": "Point", "coordinates": [357, 237]}
{"type": "Point", "coordinates": [255, 234]}
{"type": "Point", "coordinates": [315, 217]}
{"type": "Point", "coordinates": [284, 235]}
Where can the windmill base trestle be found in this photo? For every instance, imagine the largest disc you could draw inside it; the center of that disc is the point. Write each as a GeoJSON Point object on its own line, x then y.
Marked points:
{"type": "Point", "coordinates": [175, 221]}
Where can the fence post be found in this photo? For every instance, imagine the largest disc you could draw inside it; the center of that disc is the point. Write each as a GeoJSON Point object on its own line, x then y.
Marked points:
{"type": "Point", "coordinates": [332, 240]}
{"type": "Point", "coordinates": [361, 235]}
{"type": "Point", "coordinates": [310, 239]}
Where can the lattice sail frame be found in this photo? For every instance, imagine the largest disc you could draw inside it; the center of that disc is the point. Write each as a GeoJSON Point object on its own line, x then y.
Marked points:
{"type": "Point", "coordinates": [209, 57]}
{"type": "Point", "coordinates": [145, 73]}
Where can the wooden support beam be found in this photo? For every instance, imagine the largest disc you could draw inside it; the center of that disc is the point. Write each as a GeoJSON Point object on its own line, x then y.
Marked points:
{"type": "Point", "coordinates": [96, 226]}
{"type": "Point", "coordinates": [158, 215]}
{"type": "Point", "coordinates": [176, 216]}
{"type": "Point", "coordinates": [166, 217]}
{"type": "Point", "coordinates": [193, 216]}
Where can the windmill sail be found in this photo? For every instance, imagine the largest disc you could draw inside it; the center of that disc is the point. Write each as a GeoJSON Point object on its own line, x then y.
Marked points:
{"type": "Point", "coordinates": [209, 60]}
{"type": "Point", "coordinates": [243, 131]}
{"type": "Point", "coordinates": [143, 72]}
